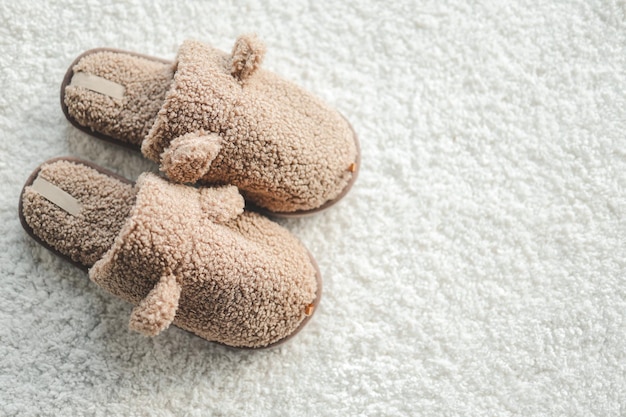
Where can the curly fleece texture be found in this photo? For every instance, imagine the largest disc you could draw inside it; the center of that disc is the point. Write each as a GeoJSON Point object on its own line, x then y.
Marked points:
{"type": "Point", "coordinates": [130, 118]}
{"type": "Point", "coordinates": [185, 255]}
{"type": "Point", "coordinates": [283, 148]}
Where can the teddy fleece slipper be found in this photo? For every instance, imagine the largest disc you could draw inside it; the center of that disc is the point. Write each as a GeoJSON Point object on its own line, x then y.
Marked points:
{"type": "Point", "coordinates": [220, 119]}
{"type": "Point", "coordinates": [183, 255]}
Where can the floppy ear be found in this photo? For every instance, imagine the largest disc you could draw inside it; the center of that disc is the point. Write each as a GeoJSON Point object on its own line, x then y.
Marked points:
{"type": "Point", "coordinates": [189, 157]}
{"type": "Point", "coordinates": [156, 312]}
{"type": "Point", "coordinates": [221, 204]}
{"type": "Point", "coordinates": [247, 56]}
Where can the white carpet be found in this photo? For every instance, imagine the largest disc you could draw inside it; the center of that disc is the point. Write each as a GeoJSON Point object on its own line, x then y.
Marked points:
{"type": "Point", "coordinates": [476, 269]}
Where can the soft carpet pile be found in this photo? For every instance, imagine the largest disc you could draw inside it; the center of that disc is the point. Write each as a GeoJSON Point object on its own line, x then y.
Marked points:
{"type": "Point", "coordinates": [477, 268]}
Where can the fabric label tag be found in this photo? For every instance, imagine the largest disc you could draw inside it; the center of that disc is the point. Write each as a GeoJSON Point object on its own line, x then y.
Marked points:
{"type": "Point", "coordinates": [56, 196]}
{"type": "Point", "coordinates": [98, 84]}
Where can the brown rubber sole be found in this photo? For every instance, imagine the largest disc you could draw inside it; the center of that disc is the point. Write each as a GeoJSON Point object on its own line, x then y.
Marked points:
{"type": "Point", "coordinates": [85, 268]}
{"type": "Point", "coordinates": [295, 214]}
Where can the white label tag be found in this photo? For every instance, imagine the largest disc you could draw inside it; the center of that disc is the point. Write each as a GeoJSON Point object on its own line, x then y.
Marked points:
{"type": "Point", "coordinates": [56, 196]}
{"type": "Point", "coordinates": [98, 84]}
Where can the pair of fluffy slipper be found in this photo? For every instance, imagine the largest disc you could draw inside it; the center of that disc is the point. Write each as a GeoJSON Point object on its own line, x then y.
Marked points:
{"type": "Point", "coordinates": [182, 254]}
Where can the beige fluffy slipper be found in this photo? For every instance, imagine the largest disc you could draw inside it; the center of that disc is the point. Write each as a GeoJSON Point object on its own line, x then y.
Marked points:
{"type": "Point", "coordinates": [218, 118]}
{"type": "Point", "coordinates": [183, 255]}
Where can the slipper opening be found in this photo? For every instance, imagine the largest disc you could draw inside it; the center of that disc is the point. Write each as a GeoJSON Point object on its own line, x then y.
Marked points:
{"type": "Point", "coordinates": [75, 210]}
{"type": "Point", "coordinates": [115, 95]}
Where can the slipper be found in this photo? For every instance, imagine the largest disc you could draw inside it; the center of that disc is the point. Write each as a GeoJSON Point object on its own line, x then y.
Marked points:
{"type": "Point", "coordinates": [183, 255]}
{"type": "Point", "coordinates": [218, 118]}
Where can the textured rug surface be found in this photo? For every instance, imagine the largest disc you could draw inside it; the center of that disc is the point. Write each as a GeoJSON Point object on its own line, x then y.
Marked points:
{"type": "Point", "coordinates": [477, 268]}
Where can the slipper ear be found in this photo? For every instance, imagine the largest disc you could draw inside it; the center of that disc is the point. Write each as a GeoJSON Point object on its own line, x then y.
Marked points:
{"type": "Point", "coordinates": [247, 56]}
{"type": "Point", "coordinates": [222, 204]}
{"type": "Point", "coordinates": [156, 312]}
{"type": "Point", "coordinates": [189, 157]}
